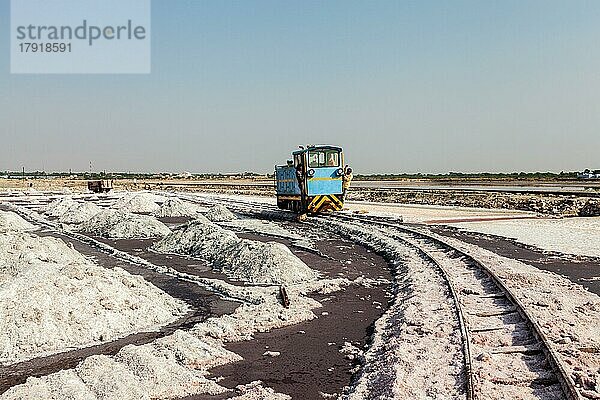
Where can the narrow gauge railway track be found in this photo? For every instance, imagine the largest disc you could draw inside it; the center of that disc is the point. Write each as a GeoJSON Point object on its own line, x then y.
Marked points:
{"type": "Point", "coordinates": [493, 322]}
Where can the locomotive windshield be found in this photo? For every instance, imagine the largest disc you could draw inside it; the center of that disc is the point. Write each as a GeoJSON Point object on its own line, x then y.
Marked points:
{"type": "Point", "coordinates": [323, 158]}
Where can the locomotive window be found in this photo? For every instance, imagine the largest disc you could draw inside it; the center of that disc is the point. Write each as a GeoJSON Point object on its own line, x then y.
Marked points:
{"type": "Point", "coordinates": [324, 158]}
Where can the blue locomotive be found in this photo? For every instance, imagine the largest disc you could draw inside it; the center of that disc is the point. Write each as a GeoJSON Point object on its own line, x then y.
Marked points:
{"type": "Point", "coordinates": [314, 181]}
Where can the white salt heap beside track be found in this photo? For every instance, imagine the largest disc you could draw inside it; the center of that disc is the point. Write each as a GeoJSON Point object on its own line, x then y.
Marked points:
{"type": "Point", "coordinates": [241, 259]}
{"type": "Point", "coordinates": [59, 206]}
{"type": "Point", "coordinates": [139, 202]}
{"type": "Point", "coordinates": [174, 207]}
{"type": "Point", "coordinates": [53, 298]}
{"type": "Point", "coordinates": [219, 213]}
{"type": "Point", "coordinates": [9, 221]}
{"type": "Point", "coordinates": [79, 213]}
{"type": "Point", "coordinates": [119, 224]}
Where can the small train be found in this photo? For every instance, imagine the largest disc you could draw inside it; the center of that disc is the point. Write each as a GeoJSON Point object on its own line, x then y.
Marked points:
{"type": "Point", "coordinates": [315, 180]}
{"type": "Point", "coordinates": [100, 186]}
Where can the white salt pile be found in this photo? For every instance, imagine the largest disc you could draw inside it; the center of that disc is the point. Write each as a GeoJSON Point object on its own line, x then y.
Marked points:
{"type": "Point", "coordinates": [255, 391]}
{"type": "Point", "coordinates": [139, 202]}
{"type": "Point", "coordinates": [53, 298]}
{"type": "Point", "coordinates": [79, 213]}
{"type": "Point", "coordinates": [219, 213]}
{"type": "Point", "coordinates": [174, 207]}
{"type": "Point", "coordinates": [261, 227]}
{"type": "Point", "coordinates": [9, 221]}
{"type": "Point", "coordinates": [119, 224]}
{"type": "Point", "coordinates": [241, 259]}
{"type": "Point", "coordinates": [177, 366]}
{"type": "Point", "coordinates": [57, 207]}
{"type": "Point", "coordinates": [170, 367]}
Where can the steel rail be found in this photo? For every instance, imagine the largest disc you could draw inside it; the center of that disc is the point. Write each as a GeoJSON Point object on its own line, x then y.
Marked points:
{"type": "Point", "coordinates": [566, 382]}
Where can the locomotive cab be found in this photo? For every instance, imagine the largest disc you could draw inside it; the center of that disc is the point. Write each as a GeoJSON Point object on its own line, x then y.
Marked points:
{"type": "Point", "coordinates": [315, 181]}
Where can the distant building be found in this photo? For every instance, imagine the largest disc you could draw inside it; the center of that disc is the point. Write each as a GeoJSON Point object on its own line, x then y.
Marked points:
{"type": "Point", "coordinates": [589, 174]}
{"type": "Point", "coordinates": [185, 175]}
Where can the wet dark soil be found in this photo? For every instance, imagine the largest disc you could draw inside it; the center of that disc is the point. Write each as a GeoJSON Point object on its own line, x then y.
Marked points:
{"type": "Point", "coordinates": [310, 362]}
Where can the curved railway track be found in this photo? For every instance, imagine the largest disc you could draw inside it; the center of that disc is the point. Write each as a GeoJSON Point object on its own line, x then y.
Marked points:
{"type": "Point", "coordinates": [493, 322]}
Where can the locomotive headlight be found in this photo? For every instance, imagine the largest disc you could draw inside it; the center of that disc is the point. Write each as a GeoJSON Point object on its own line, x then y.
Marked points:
{"type": "Point", "coordinates": [340, 172]}
{"type": "Point", "coordinates": [310, 172]}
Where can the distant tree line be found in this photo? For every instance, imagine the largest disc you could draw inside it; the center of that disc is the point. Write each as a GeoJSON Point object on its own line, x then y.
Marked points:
{"type": "Point", "coordinates": [251, 175]}
{"type": "Point", "coordinates": [474, 176]}
{"type": "Point", "coordinates": [120, 175]}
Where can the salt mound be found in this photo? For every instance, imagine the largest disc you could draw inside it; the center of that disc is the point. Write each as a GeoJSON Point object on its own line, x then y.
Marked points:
{"type": "Point", "coordinates": [53, 298]}
{"type": "Point", "coordinates": [219, 213]}
{"type": "Point", "coordinates": [119, 224]}
{"type": "Point", "coordinates": [59, 206]}
{"type": "Point", "coordinates": [256, 391]}
{"type": "Point", "coordinates": [9, 221]}
{"type": "Point", "coordinates": [139, 202]}
{"type": "Point", "coordinates": [141, 205]}
{"type": "Point", "coordinates": [262, 227]}
{"type": "Point", "coordinates": [241, 259]}
{"type": "Point", "coordinates": [170, 367]}
{"type": "Point", "coordinates": [174, 207]}
{"type": "Point", "coordinates": [79, 213]}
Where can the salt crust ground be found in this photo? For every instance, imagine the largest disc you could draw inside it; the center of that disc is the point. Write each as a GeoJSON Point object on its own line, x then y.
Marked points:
{"type": "Point", "coordinates": [579, 236]}
{"type": "Point", "coordinates": [136, 372]}
{"type": "Point", "coordinates": [53, 298]}
{"type": "Point", "coordinates": [241, 259]}
{"type": "Point", "coordinates": [568, 314]}
{"type": "Point", "coordinates": [416, 349]}
{"type": "Point", "coordinates": [9, 222]}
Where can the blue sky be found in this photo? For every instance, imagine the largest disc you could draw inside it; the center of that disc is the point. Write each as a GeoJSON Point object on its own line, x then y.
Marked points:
{"type": "Point", "coordinates": [420, 86]}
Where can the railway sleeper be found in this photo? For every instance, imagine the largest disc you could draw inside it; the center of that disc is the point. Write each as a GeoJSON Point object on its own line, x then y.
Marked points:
{"type": "Point", "coordinates": [498, 295]}
{"type": "Point", "coordinates": [543, 379]}
{"type": "Point", "coordinates": [487, 329]}
{"type": "Point", "coordinates": [535, 348]}
{"type": "Point", "coordinates": [494, 313]}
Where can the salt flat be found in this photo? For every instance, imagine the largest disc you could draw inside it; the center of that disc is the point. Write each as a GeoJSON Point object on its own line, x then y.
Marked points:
{"type": "Point", "coordinates": [579, 235]}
